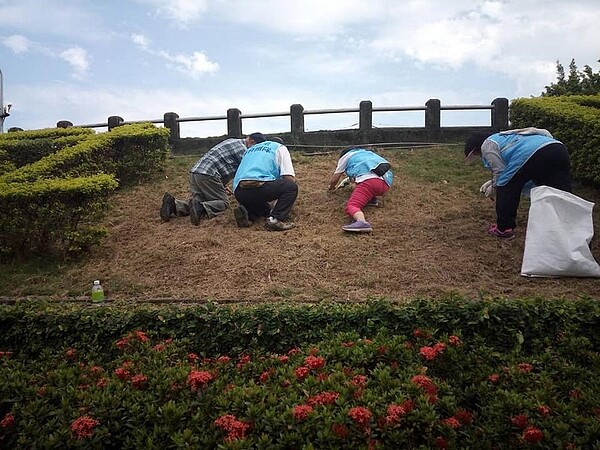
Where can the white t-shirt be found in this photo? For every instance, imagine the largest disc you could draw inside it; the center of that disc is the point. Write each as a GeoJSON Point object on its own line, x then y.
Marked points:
{"type": "Point", "coordinates": [284, 161]}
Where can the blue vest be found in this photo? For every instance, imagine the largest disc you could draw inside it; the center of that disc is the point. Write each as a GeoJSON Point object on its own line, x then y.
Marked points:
{"type": "Point", "coordinates": [362, 162]}
{"type": "Point", "coordinates": [259, 163]}
{"type": "Point", "coordinates": [515, 151]}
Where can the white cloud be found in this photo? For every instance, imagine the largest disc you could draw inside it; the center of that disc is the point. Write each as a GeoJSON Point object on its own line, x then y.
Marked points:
{"type": "Point", "coordinates": [141, 41]}
{"type": "Point", "coordinates": [181, 12]}
{"type": "Point", "coordinates": [78, 59]}
{"type": "Point", "coordinates": [193, 65]}
{"type": "Point", "coordinates": [17, 43]}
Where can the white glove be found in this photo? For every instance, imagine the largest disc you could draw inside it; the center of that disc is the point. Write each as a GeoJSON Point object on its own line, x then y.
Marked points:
{"type": "Point", "coordinates": [488, 189]}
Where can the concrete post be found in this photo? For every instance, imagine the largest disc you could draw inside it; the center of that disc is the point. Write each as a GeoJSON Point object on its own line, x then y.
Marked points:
{"type": "Point", "coordinates": [500, 114]}
{"type": "Point", "coordinates": [114, 121]}
{"type": "Point", "coordinates": [234, 123]}
{"type": "Point", "coordinates": [170, 122]}
{"type": "Point", "coordinates": [433, 116]}
{"type": "Point", "coordinates": [297, 118]}
{"type": "Point", "coordinates": [64, 124]}
{"type": "Point", "coordinates": [365, 117]}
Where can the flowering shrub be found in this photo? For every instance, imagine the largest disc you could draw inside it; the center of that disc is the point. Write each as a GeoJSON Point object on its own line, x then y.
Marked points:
{"type": "Point", "coordinates": [423, 390]}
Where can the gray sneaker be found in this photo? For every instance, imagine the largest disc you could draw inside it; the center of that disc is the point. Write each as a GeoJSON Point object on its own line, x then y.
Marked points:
{"type": "Point", "coordinates": [241, 217]}
{"type": "Point", "coordinates": [273, 224]}
{"type": "Point", "coordinates": [358, 226]}
{"type": "Point", "coordinates": [196, 211]}
{"type": "Point", "coordinates": [168, 207]}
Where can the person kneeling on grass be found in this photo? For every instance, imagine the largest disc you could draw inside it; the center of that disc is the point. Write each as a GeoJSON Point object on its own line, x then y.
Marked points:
{"type": "Point", "coordinates": [518, 159]}
{"type": "Point", "coordinates": [265, 186]}
{"type": "Point", "coordinates": [208, 180]}
{"type": "Point", "coordinates": [372, 177]}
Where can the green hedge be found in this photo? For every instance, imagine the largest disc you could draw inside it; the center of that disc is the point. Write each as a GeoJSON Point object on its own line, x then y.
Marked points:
{"type": "Point", "coordinates": [574, 120]}
{"type": "Point", "coordinates": [50, 206]}
{"type": "Point", "coordinates": [27, 147]}
{"type": "Point", "coordinates": [29, 327]}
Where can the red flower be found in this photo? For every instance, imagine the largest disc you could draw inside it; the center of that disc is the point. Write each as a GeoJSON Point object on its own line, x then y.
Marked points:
{"type": "Point", "coordinates": [71, 353]}
{"type": "Point", "coordinates": [360, 415]}
{"type": "Point", "coordinates": [323, 398]}
{"type": "Point", "coordinates": [454, 341]}
{"type": "Point", "coordinates": [198, 379]}
{"type": "Point", "coordinates": [225, 359]}
{"type": "Point", "coordinates": [192, 357]}
{"type": "Point", "coordinates": [245, 359]}
{"type": "Point", "coordinates": [5, 354]}
{"type": "Point", "coordinates": [452, 422]}
{"type": "Point", "coordinates": [302, 372]}
{"type": "Point", "coordinates": [422, 381]}
{"type": "Point", "coordinates": [322, 376]}
{"type": "Point", "coordinates": [442, 442]}
{"type": "Point", "coordinates": [122, 343]}
{"type": "Point", "coordinates": [359, 381]}
{"type": "Point", "coordinates": [301, 412]}
{"type": "Point", "coordinates": [264, 377]}
{"type": "Point", "coordinates": [159, 347]}
{"type": "Point", "coordinates": [139, 381]}
{"type": "Point", "coordinates": [122, 373]}
{"type": "Point", "coordinates": [396, 412]}
{"type": "Point", "coordinates": [141, 336]}
{"type": "Point", "coordinates": [236, 429]}
{"type": "Point", "coordinates": [314, 362]}
{"type": "Point", "coordinates": [347, 344]}
{"type": "Point", "coordinates": [7, 421]}
{"type": "Point", "coordinates": [493, 378]}
{"type": "Point", "coordinates": [524, 367]}
{"type": "Point", "coordinates": [464, 416]}
{"type": "Point", "coordinates": [83, 427]}
{"type": "Point", "coordinates": [520, 421]}
{"type": "Point", "coordinates": [284, 359]}
{"type": "Point", "coordinates": [293, 351]}
{"type": "Point", "coordinates": [340, 430]}
{"type": "Point", "coordinates": [383, 349]}
{"type": "Point", "coordinates": [544, 410]}
{"type": "Point", "coordinates": [102, 382]}
{"type": "Point", "coordinates": [532, 435]}
{"type": "Point", "coordinates": [428, 353]}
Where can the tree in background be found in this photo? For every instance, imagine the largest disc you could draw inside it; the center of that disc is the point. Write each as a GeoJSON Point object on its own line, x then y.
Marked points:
{"type": "Point", "coordinates": [584, 82]}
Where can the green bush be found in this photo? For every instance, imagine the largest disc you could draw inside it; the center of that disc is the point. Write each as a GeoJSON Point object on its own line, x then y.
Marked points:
{"type": "Point", "coordinates": [574, 120]}
{"type": "Point", "coordinates": [422, 389]}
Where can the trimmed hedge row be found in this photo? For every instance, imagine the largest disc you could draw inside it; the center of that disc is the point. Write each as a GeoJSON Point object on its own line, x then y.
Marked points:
{"type": "Point", "coordinates": [574, 120]}
{"type": "Point", "coordinates": [506, 324]}
{"type": "Point", "coordinates": [51, 204]}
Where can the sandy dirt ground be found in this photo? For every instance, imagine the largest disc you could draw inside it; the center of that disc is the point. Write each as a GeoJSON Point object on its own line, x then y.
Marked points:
{"type": "Point", "coordinates": [429, 240]}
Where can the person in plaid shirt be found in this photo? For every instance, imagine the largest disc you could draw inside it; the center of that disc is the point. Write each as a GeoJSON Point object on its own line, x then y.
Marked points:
{"type": "Point", "coordinates": [208, 181]}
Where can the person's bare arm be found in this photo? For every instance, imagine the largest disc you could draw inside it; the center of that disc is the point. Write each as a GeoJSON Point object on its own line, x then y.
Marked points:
{"type": "Point", "coordinates": [335, 179]}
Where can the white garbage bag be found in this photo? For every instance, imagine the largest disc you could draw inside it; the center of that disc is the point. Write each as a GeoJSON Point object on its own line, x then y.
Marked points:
{"type": "Point", "coordinates": [559, 231]}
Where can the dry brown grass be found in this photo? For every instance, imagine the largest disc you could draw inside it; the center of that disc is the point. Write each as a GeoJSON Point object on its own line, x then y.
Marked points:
{"type": "Point", "coordinates": [429, 240]}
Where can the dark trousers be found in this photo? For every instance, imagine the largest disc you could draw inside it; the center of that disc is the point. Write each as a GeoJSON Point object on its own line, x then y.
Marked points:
{"type": "Point", "coordinates": [256, 199]}
{"type": "Point", "coordinates": [549, 166]}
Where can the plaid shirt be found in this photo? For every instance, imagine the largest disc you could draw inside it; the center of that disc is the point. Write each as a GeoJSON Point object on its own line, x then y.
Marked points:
{"type": "Point", "coordinates": [222, 160]}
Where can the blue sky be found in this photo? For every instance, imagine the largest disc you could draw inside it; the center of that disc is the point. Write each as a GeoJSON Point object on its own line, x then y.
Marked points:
{"type": "Point", "coordinates": [85, 60]}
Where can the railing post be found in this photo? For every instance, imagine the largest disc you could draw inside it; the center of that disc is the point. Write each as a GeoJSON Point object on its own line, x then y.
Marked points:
{"type": "Point", "coordinates": [64, 124]}
{"type": "Point", "coordinates": [433, 114]}
{"type": "Point", "coordinates": [234, 123]}
{"type": "Point", "coordinates": [114, 121]}
{"type": "Point", "coordinates": [297, 118]}
{"type": "Point", "coordinates": [500, 114]}
{"type": "Point", "coordinates": [365, 116]}
{"type": "Point", "coordinates": [170, 122]}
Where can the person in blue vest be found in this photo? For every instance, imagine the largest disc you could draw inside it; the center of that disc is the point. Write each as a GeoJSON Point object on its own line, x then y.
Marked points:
{"type": "Point", "coordinates": [265, 186]}
{"type": "Point", "coordinates": [518, 160]}
{"type": "Point", "coordinates": [372, 177]}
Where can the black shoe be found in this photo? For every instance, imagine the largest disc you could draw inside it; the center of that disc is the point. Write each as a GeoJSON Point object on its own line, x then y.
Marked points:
{"type": "Point", "coordinates": [273, 224]}
{"type": "Point", "coordinates": [168, 207]}
{"type": "Point", "coordinates": [241, 217]}
{"type": "Point", "coordinates": [196, 212]}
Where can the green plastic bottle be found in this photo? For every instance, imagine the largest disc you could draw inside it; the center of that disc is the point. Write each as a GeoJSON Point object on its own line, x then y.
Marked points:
{"type": "Point", "coordinates": [97, 292]}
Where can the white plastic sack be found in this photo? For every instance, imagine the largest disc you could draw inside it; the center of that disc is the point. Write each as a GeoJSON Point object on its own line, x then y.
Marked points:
{"type": "Point", "coordinates": [559, 231]}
